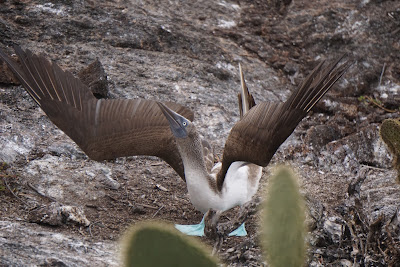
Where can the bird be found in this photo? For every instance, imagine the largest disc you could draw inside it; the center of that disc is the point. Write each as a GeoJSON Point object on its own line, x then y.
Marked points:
{"type": "Point", "coordinates": [109, 128]}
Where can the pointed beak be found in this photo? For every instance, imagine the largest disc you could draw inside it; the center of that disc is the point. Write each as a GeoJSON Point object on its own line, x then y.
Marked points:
{"type": "Point", "coordinates": [175, 121]}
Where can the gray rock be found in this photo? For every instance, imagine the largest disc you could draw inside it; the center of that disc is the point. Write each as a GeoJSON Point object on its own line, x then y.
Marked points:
{"type": "Point", "coordinates": [56, 214]}
{"type": "Point", "coordinates": [189, 52]}
{"type": "Point", "coordinates": [95, 78]}
{"type": "Point", "coordinates": [26, 244]}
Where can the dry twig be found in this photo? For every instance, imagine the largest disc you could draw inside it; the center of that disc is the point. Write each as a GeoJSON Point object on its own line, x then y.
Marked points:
{"type": "Point", "coordinates": [41, 194]}
{"type": "Point", "coordinates": [9, 189]}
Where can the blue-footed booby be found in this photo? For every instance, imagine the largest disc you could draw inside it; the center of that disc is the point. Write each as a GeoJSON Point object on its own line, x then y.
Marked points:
{"type": "Point", "coordinates": [111, 128]}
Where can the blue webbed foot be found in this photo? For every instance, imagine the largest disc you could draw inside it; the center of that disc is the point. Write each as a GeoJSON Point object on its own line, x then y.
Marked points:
{"type": "Point", "coordinates": [194, 229]}
{"type": "Point", "coordinates": [240, 231]}
{"type": "Point", "coordinates": [198, 229]}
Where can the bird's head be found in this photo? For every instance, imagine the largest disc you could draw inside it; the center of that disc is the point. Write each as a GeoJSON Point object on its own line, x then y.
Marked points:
{"type": "Point", "coordinates": [180, 126]}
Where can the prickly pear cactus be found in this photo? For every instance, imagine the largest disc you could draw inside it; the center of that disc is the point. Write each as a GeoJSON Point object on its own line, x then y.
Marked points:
{"type": "Point", "coordinates": [157, 244]}
{"type": "Point", "coordinates": [283, 225]}
{"type": "Point", "coordinates": [390, 134]}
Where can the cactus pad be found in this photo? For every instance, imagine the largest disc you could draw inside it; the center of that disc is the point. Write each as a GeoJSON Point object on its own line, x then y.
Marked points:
{"type": "Point", "coordinates": [157, 244]}
{"type": "Point", "coordinates": [390, 134]}
{"type": "Point", "coordinates": [283, 221]}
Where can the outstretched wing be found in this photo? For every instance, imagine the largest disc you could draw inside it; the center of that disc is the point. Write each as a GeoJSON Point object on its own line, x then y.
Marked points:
{"type": "Point", "coordinates": [257, 136]}
{"type": "Point", "coordinates": [245, 99]}
{"type": "Point", "coordinates": [102, 128]}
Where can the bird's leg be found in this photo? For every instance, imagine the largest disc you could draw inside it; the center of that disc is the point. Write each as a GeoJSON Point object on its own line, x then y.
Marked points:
{"type": "Point", "coordinates": [211, 219]}
{"type": "Point", "coordinates": [213, 229]}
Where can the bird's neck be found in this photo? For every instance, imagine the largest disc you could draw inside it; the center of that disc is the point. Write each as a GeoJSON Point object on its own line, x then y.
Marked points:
{"type": "Point", "coordinates": [191, 151]}
{"type": "Point", "coordinates": [240, 183]}
{"type": "Point", "coordinates": [201, 185]}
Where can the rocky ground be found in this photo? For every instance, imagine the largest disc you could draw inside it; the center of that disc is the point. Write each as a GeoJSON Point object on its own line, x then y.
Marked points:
{"type": "Point", "coordinates": [59, 208]}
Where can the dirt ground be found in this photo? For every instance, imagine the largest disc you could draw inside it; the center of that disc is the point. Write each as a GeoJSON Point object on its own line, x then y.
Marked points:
{"type": "Point", "coordinates": [188, 52]}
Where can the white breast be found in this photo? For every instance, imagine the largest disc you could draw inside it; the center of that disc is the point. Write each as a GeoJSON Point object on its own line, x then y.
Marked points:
{"type": "Point", "coordinates": [241, 183]}
{"type": "Point", "coordinates": [238, 187]}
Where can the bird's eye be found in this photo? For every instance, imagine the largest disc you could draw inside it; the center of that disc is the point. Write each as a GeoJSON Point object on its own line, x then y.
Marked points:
{"type": "Point", "coordinates": [184, 123]}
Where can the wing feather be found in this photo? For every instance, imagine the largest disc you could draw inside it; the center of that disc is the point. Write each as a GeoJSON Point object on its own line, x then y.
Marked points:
{"type": "Point", "coordinates": [245, 99]}
{"type": "Point", "coordinates": [105, 128]}
{"type": "Point", "coordinates": [256, 137]}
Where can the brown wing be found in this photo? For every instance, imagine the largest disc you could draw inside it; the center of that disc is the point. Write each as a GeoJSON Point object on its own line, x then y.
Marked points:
{"type": "Point", "coordinates": [245, 99]}
{"type": "Point", "coordinates": [257, 136]}
{"type": "Point", "coordinates": [105, 128]}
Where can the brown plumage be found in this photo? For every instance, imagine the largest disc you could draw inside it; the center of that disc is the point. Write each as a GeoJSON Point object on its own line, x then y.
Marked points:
{"type": "Point", "coordinates": [245, 99]}
{"type": "Point", "coordinates": [110, 128]}
{"type": "Point", "coordinates": [257, 136]}
{"type": "Point", "coordinates": [102, 128]}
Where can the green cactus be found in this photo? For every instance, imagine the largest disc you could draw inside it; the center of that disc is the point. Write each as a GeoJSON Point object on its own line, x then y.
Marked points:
{"type": "Point", "coordinates": [283, 225]}
{"type": "Point", "coordinates": [283, 239]}
{"type": "Point", "coordinates": [159, 244]}
{"type": "Point", "coordinates": [390, 134]}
